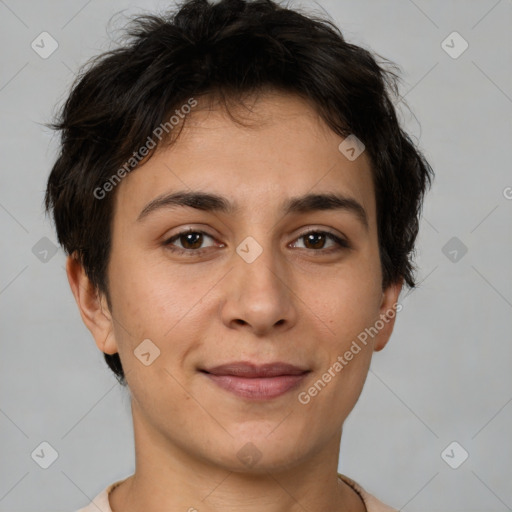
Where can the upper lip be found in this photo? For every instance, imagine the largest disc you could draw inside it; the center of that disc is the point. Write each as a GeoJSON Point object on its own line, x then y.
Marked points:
{"type": "Point", "coordinates": [251, 370]}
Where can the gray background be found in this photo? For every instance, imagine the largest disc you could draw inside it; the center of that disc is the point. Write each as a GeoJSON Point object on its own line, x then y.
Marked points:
{"type": "Point", "coordinates": [445, 375]}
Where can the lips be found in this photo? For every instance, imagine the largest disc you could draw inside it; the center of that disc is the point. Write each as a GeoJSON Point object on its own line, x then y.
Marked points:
{"type": "Point", "coordinates": [251, 370]}
{"type": "Point", "coordinates": [257, 382]}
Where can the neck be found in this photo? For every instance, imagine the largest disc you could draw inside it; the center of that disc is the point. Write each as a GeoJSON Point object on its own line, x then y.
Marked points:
{"type": "Point", "coordinates": [169, 478]}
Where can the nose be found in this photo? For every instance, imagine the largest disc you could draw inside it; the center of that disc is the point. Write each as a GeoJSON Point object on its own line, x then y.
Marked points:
{"type": "Point", "coordinates": [258, 296]}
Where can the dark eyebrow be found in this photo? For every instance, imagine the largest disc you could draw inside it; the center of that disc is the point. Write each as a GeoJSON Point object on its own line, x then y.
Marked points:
{"type": "Point", "coordinates": [215, 203]}
{"type": "Point", "coordinates": [319, 202]}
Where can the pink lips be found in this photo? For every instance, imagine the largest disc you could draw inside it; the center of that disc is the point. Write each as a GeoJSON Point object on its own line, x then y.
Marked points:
{"type": "Point", "coordinates": [258, 382]}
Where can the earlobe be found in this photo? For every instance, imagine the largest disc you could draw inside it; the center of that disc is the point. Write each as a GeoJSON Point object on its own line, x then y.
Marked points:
{"type": "Point", "coordinates": [388, 310]}
{"type": "Point", "coordinates": [92, 305]}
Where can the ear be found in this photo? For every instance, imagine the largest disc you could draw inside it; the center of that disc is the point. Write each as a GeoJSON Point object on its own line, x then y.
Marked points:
{"type": "Point", "coordinates": [388, 310]}
{"type": "Point", "coordinates": [92, 305]}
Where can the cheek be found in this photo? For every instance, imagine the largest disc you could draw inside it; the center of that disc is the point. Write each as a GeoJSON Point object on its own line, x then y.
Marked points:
{"type": "Point", "coordinates": [150, 302]}
{"type": "Point", "coordinates": [348, 308]}
{"type": "Point", "coordinates": [148, 295]}
{"type": "Point", "coordinates": [347, 303]}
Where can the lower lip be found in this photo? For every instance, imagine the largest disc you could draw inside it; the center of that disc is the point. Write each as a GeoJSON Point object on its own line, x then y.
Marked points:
{"type": "Point", "coordinates": [263, 388]}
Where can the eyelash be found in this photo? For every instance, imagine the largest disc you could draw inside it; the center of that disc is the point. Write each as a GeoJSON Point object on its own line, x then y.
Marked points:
{"type": "Point", "coordinates": [341, 243]}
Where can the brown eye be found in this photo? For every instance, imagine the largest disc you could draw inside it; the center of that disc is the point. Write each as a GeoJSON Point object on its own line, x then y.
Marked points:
{"type": "Point", "coordinates": [190, 242]}
{"type": "Point", "coordinates": [316, 240]}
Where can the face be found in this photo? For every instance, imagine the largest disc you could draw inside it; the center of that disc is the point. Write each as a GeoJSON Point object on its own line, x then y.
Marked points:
{"type": "Point", "coordinates": [271, 280]}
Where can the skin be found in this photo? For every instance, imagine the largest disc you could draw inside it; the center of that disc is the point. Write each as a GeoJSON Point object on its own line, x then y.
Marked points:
{"type": "Point", "coordinates": [294, 303]}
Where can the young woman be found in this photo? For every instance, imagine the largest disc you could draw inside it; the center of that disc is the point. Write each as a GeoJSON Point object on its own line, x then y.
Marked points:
{"type": "Point", "coordinates": [239, 205]}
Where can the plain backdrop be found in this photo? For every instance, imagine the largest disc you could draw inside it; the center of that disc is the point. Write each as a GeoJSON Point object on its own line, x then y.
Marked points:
{"type": "Point", "coordinates": [444, 377]}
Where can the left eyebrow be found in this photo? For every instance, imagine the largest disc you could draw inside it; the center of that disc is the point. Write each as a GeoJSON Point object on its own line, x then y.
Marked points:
{"type": "Point", "coordinates": [215, 203]}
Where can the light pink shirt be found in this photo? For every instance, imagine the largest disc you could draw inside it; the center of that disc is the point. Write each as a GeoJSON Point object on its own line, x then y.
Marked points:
{"type": "Point", "coordinates": [101, 502]}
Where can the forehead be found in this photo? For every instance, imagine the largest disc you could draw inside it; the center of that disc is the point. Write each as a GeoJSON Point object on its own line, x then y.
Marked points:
{"type": "Point", "coordinates": [282, 150]}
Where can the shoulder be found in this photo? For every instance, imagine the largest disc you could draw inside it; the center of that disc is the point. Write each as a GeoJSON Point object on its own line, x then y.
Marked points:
{"type": "Point", "coordinates": [371, 502]}
{"type": "Point", "coordinates": [101, 503]}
